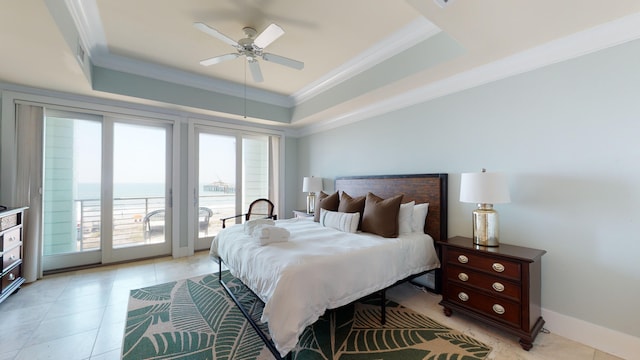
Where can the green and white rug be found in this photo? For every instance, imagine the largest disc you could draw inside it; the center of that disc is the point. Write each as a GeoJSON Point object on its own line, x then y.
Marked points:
{"type": "Point", "coordinates": [195, 319]}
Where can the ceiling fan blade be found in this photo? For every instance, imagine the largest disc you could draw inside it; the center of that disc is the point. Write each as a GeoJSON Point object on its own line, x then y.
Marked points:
{"type": "Point", "coordinates": [283, 61]}
{"type": "Point", "coordinates": [215, 33]}
{"type": "Point", "coordinates": [255, 71]}
{"type": "Point", "coordinates": [269, 35]}
{"type": "Point", "coordinates": [218, 59]}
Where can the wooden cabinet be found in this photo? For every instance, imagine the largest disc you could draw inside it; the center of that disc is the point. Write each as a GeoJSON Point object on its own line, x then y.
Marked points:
{"type": "Point", "coordinates": [11, 245]}
{"type": "Point", "coordinates": [497, 285]}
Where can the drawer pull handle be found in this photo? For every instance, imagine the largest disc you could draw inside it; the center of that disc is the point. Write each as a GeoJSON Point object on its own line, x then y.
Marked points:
{"type": "Point", "coordinates": [12, 257]}
{"type": "Point", "coordinates": [498, 287]}
{"type": "Point", "coordinates": [463, 296]}
{"type": "Point", "coordinates": [463, 277]}
{"type": "Point", "coordinates": [12, 276]}
{"type": "Point", "coordinates": [498, 309]}
{"type": "Point", "coordinates": [497, 267]}
{"type": "Point", "coordinates": [463, 259]}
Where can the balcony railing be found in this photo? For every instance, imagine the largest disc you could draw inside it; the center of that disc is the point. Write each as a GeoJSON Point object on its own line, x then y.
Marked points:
{"type": "Point", "coordinates": [129, 216]}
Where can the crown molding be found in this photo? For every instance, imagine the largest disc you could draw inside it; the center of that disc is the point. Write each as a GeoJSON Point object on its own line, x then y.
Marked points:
{"type": "Point", "coordinates": [413, 33]}
{"type": "Point", "coordinates": [582, 43]}
{"type": "Point", "coordinates": [89, 25]}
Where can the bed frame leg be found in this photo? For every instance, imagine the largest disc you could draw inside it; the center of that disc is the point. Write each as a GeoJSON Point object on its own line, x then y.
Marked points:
{"type": "Point", "coordinates": [383, 307]}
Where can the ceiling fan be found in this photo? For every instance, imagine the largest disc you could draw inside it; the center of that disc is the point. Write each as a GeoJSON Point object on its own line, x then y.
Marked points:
{"type": "Point", "coordinates": [252, 47]}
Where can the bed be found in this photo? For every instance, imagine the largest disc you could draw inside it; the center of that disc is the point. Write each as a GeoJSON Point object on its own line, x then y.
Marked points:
{"type": "Point", "coordinates": [321, 268]}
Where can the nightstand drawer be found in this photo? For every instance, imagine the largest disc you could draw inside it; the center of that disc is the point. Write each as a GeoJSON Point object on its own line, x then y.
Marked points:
{"type": "Point", "coordinates": [477, 261]}
{"type": "Point", "coordinates": [496, 308]}
{"type": "Point", "coordinates": [490, 283]}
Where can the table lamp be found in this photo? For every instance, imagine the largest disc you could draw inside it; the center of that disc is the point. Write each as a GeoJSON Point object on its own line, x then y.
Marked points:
{"type": "Point", "coordinates": [312, 185]}
{"type": "Point", "coordinates": [484, 189]}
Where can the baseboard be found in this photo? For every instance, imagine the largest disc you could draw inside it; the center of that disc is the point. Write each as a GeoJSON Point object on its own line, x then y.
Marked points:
{"type": "Point", "coordinates": [604, 339]}
{"type": "Point", "coordinates": [179, 252]}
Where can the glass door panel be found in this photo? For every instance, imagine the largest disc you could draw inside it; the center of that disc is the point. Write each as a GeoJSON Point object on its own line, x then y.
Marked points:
{"type": "Point", "coordinates": [255, 169]}
{"type": "Point", "coordinates": [72, 191]}
{"type": "Point", "coordinates": [228, 165]}
{"type": "Point", "coordinates": [139, 185]}
{"type": "Point", "coordinates": [216, 184]}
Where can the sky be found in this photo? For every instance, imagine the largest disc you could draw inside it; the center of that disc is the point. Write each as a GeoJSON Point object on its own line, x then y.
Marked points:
{"type": "Point", "coordinates": [139, 154]}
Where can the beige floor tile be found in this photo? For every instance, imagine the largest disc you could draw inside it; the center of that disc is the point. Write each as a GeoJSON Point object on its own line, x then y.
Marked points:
{"type": "Point", "coordinates": [63, 326]}
{"type": "Point", "coordinates": [115, 313]}
{"type": "Point", "coordinates": [110, 355]}
{"type": "Point", "coordinates": [29, 315]}
{"type": "Point", "coordinates": [15, 336]}
{"type": "Point", "coordinates": [86, 311]}
{"type": "Point", "coordinates": [71, 305]}
{"type": "Point", "coordinates": [109, 338]}
{"type": "Point", "coordinates": [74, 347]}
{"type": "Point", "coordinates": [8, 355]}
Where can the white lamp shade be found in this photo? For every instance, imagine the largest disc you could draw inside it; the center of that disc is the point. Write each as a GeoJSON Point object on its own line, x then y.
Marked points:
{"type": "Point", "coordinates": [484, 188]}
{"type": "Point", "coordinates": [311, 184]}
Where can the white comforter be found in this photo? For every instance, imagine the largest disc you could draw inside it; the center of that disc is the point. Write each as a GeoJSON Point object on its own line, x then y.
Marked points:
{"type": "Point", "coordinates": [319, 268]}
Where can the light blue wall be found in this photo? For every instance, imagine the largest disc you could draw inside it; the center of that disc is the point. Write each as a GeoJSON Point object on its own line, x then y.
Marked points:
{"type": "Point", "coordinates": [567, 135]}
{"type": "Point", "coordinates": [291, 177]}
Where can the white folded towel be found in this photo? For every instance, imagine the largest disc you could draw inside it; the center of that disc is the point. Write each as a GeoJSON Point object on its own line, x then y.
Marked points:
{"type": "Point", "coordinates": [250, 225]}
{"type": "Point", "coordinates": [269, 234]}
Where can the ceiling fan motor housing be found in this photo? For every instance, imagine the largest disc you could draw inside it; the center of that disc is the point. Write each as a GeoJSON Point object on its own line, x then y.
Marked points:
{"type": "Point", "coordinates": [250, 32]}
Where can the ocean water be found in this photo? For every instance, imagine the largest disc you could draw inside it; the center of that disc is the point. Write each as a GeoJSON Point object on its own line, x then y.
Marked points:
{"type": "Point", "coordinates": [88, 191]}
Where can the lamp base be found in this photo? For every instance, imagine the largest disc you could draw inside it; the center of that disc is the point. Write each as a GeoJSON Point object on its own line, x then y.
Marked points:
{"type": "Point", "coordinates": [485, 226]}
{"type": "Point", "coordinates": [311, 203]}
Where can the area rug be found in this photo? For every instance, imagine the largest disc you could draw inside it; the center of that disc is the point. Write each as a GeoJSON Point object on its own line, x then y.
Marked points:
{"type": "Point", "coordinates": [195, 319]}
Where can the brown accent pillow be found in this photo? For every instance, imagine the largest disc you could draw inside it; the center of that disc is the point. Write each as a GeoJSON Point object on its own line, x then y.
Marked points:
{"type": "Point", "coordinates": [352, 205]}
{"type": "Point", "coordinates": [381, 215]}
{"type": "Point", "coordinates": [327, 202]}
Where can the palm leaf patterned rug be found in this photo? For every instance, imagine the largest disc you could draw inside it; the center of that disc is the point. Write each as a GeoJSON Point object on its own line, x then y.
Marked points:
{"type": "Point", "coordinates": [195, 319]}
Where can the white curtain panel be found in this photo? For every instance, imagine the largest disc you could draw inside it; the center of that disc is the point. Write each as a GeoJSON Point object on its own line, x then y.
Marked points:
{"type": "Point", "coordinates": [274, 173]}
{"type": "Point", "coordinates": [29, 124]}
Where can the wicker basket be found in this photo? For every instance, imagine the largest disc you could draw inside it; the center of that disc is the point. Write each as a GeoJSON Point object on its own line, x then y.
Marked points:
{"type": "Point", "coordinates": [8, 222]}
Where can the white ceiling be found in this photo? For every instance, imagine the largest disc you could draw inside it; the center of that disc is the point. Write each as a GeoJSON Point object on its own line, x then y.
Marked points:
{"type": "Point", "coordinates": [336, 40]}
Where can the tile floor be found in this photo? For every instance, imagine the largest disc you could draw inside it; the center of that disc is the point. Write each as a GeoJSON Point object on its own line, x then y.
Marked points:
{"type": "Point", "coordinates": [80, 314]}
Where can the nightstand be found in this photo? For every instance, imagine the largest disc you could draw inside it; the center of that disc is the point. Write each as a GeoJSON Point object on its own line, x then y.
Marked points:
{"type": "Point", "coordinates": [301, 214]}
{"type": "Point", "coordinates": [499, 286]}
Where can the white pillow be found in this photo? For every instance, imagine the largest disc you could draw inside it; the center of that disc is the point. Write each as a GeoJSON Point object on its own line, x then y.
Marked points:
{"type": "Point", "coordinates": [405, 218]}
{"type": "Point", "coordinates": [419, 217]}
{"type": "Point", "coordinates": [346, 222]}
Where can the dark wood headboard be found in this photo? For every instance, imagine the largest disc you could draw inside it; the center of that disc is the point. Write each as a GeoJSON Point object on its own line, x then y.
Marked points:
{"type": "Point", "coordinates": [421, 188]}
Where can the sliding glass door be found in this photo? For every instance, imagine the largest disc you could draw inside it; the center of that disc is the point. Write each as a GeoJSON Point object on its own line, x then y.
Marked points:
{"type": "Point", "coordinates": [104, 180]}
{"type": "Point", "coordinates": [232, 169]}
{"type": "Point", "coordinates": [141, 214]}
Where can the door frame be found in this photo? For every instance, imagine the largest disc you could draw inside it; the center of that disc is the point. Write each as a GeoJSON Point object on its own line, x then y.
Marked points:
{"type": "Point", "coordinates": [195, 127]}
